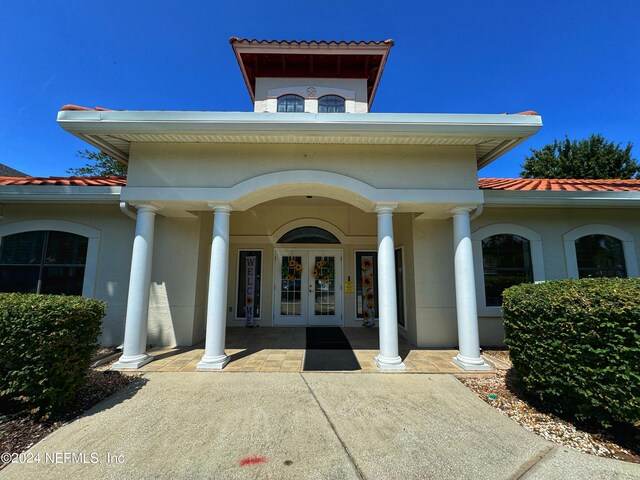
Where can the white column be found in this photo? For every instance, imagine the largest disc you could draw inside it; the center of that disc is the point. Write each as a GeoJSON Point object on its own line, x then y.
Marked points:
{"type": "Point", "coordinates": [214, 357]}
{"type": "Point", "coordinates": [134, 354]}
{"type": "Point", "coordinates": [388, 358]}
{"type": "Point", "coordinates": [468, 357]}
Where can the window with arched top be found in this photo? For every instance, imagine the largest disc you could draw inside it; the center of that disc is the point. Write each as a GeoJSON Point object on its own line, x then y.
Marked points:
{"type": "Point", "coordinates": [331, 104]}
{"type": "Point", "coordinates": [291, 104]}
{"type": "Point", "coordinates": [309, 235]}
{"type": "Point", "coordinates": [600, 256]}
{"type": "Point", "coordinates": [43, 261]}
{"type": "Point", "coordinates": [506, 261]}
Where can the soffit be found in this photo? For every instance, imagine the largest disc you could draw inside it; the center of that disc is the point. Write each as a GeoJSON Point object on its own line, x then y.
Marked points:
{"type": "Point", "coordinates": [113, 132]}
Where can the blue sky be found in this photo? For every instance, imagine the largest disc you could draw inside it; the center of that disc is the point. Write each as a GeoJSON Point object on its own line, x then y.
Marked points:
{"type": "Point", "coordinates": [577, 63]}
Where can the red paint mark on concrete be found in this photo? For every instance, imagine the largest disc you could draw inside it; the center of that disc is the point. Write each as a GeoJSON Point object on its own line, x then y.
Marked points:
{"type": "Point", "coordinates": [252, 461]}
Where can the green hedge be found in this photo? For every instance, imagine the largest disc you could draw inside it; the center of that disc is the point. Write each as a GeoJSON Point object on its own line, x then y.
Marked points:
{"type": "Point", "coordinates": [46, 342]}
{"type": "Point", "coordinates": [575, 345]}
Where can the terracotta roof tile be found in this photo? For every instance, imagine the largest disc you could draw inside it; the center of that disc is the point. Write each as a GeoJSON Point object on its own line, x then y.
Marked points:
{"type": "Point", "coordinates": [68, 181]}
{"type": "Point", "coordinates": [254, 41]}
{"type": "Point", "coordinates": [558, 184]}
{"type": "Point", "coordinates": [525, 184]}
{"type": "Point", "coordinates": [526, 112]}
{"type": "Point", "coordinates": [78, 108]}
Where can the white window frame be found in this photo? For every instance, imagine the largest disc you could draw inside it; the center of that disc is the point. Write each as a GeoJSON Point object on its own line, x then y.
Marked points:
{"type": "Point", "coordinates": [628, 246]}
{"type": "Point", "coordinates": [311, 103]}
{"type": "Point", "coordinates": [537, 259]}
{"type": "Point", "coordinates": [93, 245]}
{"type": "Point", "coordinates": [235, 307]}
{"type": "Point", "coordinates": [332, 95]}
{"type": "Point", "coordinates": [304, 102]}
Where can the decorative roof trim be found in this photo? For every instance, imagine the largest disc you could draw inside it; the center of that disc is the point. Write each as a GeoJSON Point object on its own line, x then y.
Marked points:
{"type": "Point", "coordinates": [254, 41]}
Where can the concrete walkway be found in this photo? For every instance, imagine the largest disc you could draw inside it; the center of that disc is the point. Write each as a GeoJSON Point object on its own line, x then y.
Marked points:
{"type": "Point", "coordinates": [299, 426]}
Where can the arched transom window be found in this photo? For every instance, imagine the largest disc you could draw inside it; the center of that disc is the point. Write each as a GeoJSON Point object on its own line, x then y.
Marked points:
{"type": "Point", "coordinates": [331, 104]}
{"type": "Point", "coordinates": [291, 104]}
{"type": "Point", "coordinates": [309, 235]}
{"type": "Point", "coordinates": [506, 260]}
{"type": "Point", "coordinates": [600, 256]}
{"type": "Point", "coordinates": [43, 262]}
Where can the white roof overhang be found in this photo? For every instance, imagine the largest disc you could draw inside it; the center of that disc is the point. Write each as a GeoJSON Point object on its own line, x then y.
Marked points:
{"type": "Point", "coordinates": [59, 194]}
{"type": "Point", "coordinates": [548, 198]}
{"type": "Point", "coordinates": [114, 131]}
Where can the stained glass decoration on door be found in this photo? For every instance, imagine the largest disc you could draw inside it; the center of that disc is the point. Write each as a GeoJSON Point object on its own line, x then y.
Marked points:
{"type": "Point", "coordinates": [290, 296]}
{"type": "Point", "coordinates": [368, 296]}
{"type": "Point", "coordinates": [324, 285]}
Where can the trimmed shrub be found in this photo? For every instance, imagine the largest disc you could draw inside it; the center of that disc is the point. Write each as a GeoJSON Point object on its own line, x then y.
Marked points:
{"type": "Point", "coordinates": [575, 345]}
{"type": "Point", "coordinates": [46, 342]}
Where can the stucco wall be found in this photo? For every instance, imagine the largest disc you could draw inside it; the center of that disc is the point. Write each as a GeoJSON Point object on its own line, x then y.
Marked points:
{"type": "Point", "coordinates": [353, 90]}
{"type": "Point", "coordinates": [551, 224]}
{"type": "Point", "coordinates": [114, 254]}
{"type": "Point", "coordinates": [434, 283]}
{"type": "Point", "coordinates": [172, 302]}
{"type": "Point", "coordinates": [202, 279]}
{"type": "Point", "coordinates": [382, 166]}
{"type": "Point", "coordinates": [182, 249]}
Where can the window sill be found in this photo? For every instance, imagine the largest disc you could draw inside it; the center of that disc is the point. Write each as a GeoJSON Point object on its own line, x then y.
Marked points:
{"type": "Point", "coordinates": [489, 311]}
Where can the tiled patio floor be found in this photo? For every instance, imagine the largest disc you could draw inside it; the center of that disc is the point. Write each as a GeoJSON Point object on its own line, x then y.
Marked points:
{"type": "Point", "coordinates": [283, 350]}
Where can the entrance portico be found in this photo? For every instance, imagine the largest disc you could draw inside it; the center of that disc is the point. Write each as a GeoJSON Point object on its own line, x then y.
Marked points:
{"type": "Point", "coordinates": [319, 299]}
{"type": "Point", "coordinates": [324, 302]}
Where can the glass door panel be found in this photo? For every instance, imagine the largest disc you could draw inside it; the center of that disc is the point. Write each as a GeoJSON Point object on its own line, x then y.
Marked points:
{"type": "Point", "coordinates": [324, 285]}
{"type": "Point", "coordinates": [291, 283]}
{"type": "Point", "coordinates": [325, 288]}
{"type": "Point", "coordinates": [308, 287]}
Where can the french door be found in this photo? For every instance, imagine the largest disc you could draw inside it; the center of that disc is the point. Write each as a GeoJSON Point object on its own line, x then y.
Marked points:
{"type": "Point", "coordinates": [308, 287]}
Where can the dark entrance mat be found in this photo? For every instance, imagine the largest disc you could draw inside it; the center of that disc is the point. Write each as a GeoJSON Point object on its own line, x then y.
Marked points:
{"type": "Point", "coordinates": [328, 350]}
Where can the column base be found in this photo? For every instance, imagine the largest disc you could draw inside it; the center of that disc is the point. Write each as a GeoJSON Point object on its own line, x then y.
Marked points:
{"type": "Point", "coordinates": [389, 364]}
{"type": "Point", "coordinates": [471, 364]}
{"type": "Point", "coordinates": [131, 363]}
{"type": "Point", "coordinates": [212, 363]}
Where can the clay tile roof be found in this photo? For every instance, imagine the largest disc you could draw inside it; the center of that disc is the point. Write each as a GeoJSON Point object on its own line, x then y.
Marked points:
{"type": "Point", "coordinates": [558, 184]}
{"type": "Point", "coordinates": [254, 41]}
{"type": "Point", "coordinates": [68, 181]}
{"type": "Point", "coordinates": [526, 112]}
{"type": "Point", "coordinates": [78, 108]}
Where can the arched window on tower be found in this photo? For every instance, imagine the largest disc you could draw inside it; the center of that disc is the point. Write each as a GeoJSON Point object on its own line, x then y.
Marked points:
{"type": "Point", "coordinates": [290, 104]}
{"type": "Point", "coordinates": [331, 104]}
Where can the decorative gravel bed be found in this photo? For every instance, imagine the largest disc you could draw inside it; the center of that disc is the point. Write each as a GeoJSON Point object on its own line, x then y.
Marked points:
{"type": "Point", "coordinates": [501, 391]}
{"type": "Point", "coordinates": [19, 432]}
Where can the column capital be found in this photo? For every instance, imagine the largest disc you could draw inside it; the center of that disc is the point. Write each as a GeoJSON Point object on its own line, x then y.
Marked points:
{"type": "Point", "coordinates": [146, 207]}
{"type": "Point", "coordinates": [459, 209]}
{"type": "Point", "coordinates": [221, 207]}
{"type": "Point", "coordinates": [386, 207]}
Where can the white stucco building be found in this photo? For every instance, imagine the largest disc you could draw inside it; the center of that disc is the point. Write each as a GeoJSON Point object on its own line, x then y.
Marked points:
{"type": "Point", "coordinates": [308, 211]}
